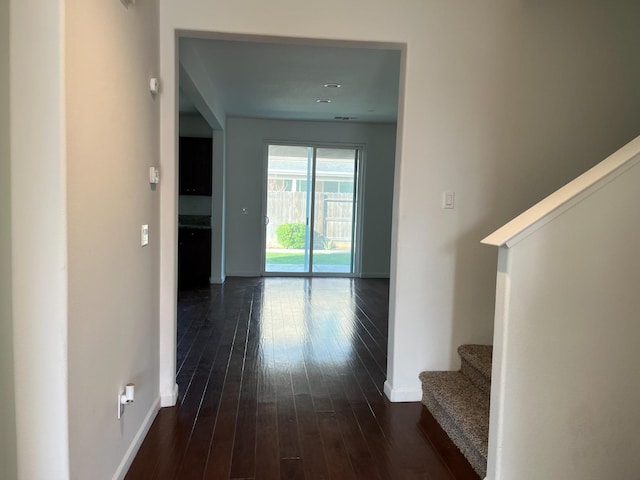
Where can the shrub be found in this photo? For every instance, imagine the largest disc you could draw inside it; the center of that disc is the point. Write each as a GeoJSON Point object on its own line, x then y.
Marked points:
{"type": "Point", "coordinates": [291, 235]}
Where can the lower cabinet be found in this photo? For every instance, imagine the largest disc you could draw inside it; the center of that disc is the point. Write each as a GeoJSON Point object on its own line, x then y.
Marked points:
{"type": "Point", "coordinates": [194, 257]}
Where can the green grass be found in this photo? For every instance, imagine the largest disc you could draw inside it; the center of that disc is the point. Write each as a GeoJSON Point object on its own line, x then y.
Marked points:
{"type": "Point", "coordinates": [297, 258]}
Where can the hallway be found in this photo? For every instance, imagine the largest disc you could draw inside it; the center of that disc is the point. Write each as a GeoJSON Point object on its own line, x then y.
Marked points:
{"type": "Point", "coordinates": [282, 378]}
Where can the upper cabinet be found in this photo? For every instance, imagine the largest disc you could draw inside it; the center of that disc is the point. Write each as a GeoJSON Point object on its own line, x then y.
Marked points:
{"type": "Point", "coordinates": [195, 166]}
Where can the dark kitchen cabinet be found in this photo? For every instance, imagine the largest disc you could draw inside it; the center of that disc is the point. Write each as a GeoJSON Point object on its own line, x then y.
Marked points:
{"type": "Point", "coordinates": [194, 257]}
{"type": "Point", "coordinates": [195, 166]}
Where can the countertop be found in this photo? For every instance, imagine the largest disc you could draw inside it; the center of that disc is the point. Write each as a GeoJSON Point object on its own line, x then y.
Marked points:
{"type": "Point", "coordinates": [201, 222]}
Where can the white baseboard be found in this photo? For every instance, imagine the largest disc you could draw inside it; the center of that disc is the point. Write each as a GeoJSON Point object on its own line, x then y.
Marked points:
{"type": "Point", "coordinates": [244, 274]}
{"type": "Point", "coordinates": [398, 395]}
{"type": "Point", "coordinates": [169, 399]}
{"type": "Point", "coordinates": [126, 462]}
{"type": "Point", "coordinates": [375, 275]}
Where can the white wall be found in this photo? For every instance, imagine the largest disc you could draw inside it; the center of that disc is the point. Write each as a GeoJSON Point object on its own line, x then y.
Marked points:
{"type": "Point", "coordinates": [38, 230]}
{"type": "Point", "coordinates": [8, 464]}
{"type": "Point", "coordinates": [566, 344]}
{"type": "Point", "coordinates": [245, 185]}
{"type": "Point", "coordinates": [218, 207]}
{"type": "Point", "coordinates": [194, 125]}
{"type": "Point", "coordinates": [84, 294]}
{"type": "Point", "coordinates": [200, 88]}
{"type": "Point", "coordinates": [504, 101]}
{"type": "Point", "coordinates": [112, 139]}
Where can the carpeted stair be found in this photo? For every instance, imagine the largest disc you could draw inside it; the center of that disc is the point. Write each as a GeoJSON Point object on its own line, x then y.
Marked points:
{"type": "Point", "coordinates": [459, 401]}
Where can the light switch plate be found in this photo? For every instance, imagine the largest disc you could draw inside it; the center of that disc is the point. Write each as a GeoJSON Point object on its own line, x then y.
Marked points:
{"type": "Point", "coordinates": [144, 235]}
{"type": "Point", "coordinates": [448, 199]}
{"type": "Point", "coordinates": [154, 175]}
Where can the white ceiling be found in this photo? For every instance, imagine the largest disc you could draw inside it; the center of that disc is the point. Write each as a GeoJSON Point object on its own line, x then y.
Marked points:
{"type": "Point", "coordinates": [284, 81]}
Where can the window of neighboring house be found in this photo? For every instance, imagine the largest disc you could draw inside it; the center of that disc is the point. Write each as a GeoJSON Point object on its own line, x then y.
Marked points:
{"type": "Point", "coordinates": [331, 187]}
{"type": "Point", "coordinates": [346, 187]}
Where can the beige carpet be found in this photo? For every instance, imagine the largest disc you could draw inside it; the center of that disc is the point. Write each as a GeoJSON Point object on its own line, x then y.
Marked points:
{"type": "Point", "coordinates": [459, 401]}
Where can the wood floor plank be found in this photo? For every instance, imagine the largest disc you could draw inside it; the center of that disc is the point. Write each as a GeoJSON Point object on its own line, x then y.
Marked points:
{"type": "Point", "coordinates": [338, 463]}
{"type": "Point", "coordinates": [158, 440]}
{"type": "Point", "coordinates": [267, 451]}
{"type": "Point", "coordinates": [267, 445]}
{"type": "Point", "coordinates": [244, 448]}
{"type": "Point", "coordinates": [289, 444]}
{"type": "Point", "coordinates": [221, 449]}
{"type": "Point", "coordinates": [291, 469]}
{"type": "Point", "coordinates": [356, 445]}
{"type": "Point", "coordinates": [281, 378]}
{"type": "Point", "coordinates": [187, 413]}
{"type": "Point", "coordinates": [315, 464]}
{"type": "Point", "coordinates": [197, 451]}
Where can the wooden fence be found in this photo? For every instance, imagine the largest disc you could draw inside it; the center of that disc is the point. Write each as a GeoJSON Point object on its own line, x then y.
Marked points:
{"type": "Point", "coordinates": [333, 217]}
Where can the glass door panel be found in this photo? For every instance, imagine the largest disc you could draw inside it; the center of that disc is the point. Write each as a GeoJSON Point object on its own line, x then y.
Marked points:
{"type": "Point", "coordinates": [334, 210]}
{"type": "Point", "coordinates": [289, 182]}
{"type": "Point", "coordinates": [310, 209]}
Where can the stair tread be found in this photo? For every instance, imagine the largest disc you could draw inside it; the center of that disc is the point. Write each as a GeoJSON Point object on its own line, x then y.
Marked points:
{"type": "Point", "coordinates": [479, 356]}
{"type": "Point", "coordinates": [465, 403]}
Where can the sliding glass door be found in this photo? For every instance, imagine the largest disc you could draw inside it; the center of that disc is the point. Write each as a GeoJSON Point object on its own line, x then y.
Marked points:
{"type": "Point", "coordinates": [311, 208]}
{"type": "Point", "coordinates": [288, 237]}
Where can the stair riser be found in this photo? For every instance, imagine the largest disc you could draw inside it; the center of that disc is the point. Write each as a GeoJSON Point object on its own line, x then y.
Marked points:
{"type": "Point", "coordinates": [475, 458]}
{"type": "Point", "coordinates": [459, 402]}
{"type": "Point", "coordinates": [476, 376]}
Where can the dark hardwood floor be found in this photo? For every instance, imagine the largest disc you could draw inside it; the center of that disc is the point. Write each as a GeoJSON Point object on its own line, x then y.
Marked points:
{"type": "Point", "coordinates": [281, 378]}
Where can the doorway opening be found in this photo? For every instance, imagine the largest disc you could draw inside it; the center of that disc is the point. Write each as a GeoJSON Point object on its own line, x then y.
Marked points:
{"type": "Point", "coordinates": [281, 80]}
{"type": "Point", "coordinates": [311, 210]}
